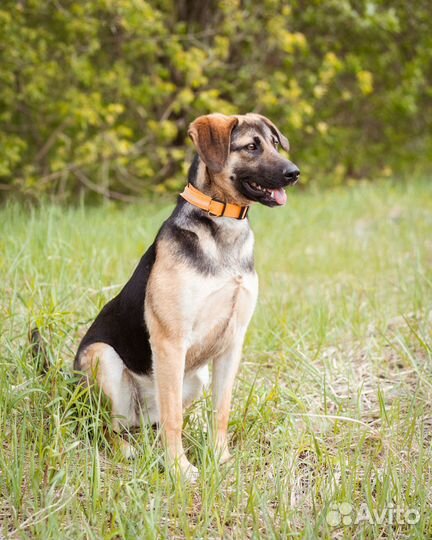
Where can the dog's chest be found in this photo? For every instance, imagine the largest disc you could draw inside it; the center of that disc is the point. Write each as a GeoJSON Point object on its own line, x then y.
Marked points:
{"type": "Point", "coordinates": [219, 314]}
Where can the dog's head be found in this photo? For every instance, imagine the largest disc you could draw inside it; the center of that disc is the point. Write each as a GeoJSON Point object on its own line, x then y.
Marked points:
{"type": "Point", "coordinates": [241, 154]}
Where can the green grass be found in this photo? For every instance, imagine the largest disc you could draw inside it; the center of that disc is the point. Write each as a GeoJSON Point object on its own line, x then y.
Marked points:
{"type": "Point", "coordinates": [333, 402]}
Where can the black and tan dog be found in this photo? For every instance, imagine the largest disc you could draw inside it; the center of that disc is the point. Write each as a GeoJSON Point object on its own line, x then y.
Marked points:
{"type": "Point", "coordinates": [191, 297]}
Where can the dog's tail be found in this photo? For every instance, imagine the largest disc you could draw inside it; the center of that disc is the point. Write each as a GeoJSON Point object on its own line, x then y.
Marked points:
{"type": "Point", "coordinates": [38, 350]}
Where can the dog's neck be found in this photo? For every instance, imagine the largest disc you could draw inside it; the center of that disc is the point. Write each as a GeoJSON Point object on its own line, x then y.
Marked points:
{"type": "Point", "coordinates": [210, 183]}
{"type": "Point", "coordinates": [201, 178]}
{"type": "Point", "coordinates": [236, 228]}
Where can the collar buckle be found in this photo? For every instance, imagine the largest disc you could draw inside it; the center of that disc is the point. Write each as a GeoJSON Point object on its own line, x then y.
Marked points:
{"type": "Point", "coordinates": [210, 213]}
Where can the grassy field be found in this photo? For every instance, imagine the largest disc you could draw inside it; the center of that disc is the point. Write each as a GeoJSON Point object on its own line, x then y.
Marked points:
{"type": "Point", "coordinates": [332, 414]}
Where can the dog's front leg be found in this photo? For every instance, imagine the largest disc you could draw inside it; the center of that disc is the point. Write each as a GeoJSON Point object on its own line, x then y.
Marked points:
{"type": "Point", "coordinates": [224, 371]}
{"type": "Point", "coordinates": [169, 362]}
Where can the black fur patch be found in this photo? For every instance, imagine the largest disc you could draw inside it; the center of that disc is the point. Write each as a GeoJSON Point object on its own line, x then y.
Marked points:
{"type": "Point", "coordinates": [186, 245]}
{"type": "Point", "coordinates": [193, 169]}
{"type": "Point", "coordinates": [121, 322]}
{"type": "Point", "coordinates": [206, 222]}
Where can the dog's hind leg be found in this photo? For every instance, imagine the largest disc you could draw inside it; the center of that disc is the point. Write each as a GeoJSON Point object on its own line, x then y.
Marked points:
{"type": "Point", "coordinates": [101, 363]}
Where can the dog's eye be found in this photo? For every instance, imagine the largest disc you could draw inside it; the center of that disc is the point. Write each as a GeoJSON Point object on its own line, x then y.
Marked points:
{"type": "Point", "coordinates": [251, 146]}
{"type": "Point", "coordinates": [275, 143]}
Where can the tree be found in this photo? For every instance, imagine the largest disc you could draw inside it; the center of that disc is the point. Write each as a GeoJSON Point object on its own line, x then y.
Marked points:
{"type": "Point", "coordinates": [96, 96]}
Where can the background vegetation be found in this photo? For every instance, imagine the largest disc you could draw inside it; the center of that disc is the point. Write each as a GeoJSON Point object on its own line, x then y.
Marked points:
{"type": "Point", "coordinates": [95, 97]}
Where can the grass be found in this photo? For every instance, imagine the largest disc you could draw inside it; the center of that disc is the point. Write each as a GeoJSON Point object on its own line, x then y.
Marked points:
{"type": "Point", "coordinates": [332, 404]}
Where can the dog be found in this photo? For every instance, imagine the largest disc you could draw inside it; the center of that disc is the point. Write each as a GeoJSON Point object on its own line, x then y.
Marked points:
{"type": "Point", "coordinates": [191, 297]}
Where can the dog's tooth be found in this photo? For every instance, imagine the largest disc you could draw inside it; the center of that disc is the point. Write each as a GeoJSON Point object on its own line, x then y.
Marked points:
{"type": "Point", "coordinates": [272, 194]}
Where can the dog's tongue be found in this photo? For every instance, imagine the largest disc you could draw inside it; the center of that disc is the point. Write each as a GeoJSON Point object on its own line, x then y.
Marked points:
{"type": "Point", "coordinates": [280, 196]}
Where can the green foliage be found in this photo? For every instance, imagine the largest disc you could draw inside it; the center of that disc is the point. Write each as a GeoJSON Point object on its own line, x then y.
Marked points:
{"type": "Point", "coordinates": [96, 96]}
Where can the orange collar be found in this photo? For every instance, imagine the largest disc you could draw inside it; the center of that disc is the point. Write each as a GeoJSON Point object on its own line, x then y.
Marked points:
{"type": "Point", "coordinates": [213, 207]}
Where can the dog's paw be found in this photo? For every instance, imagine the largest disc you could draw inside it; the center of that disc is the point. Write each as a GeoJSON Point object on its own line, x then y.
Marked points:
{"type": "Point", "coordinates": [188, 472]}
{"type": "Point", "coordinates": [126, 449]}
{"type": "Point", "coordinates": [222, 453]}
{"type": "Point", "coordinates": [225, 456]}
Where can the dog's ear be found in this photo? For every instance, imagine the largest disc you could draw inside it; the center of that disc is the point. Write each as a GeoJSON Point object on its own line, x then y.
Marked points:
{"type": "Point", "coordinates": [211, 135]}
{"type": "Point", "coordinates": [283, 141]}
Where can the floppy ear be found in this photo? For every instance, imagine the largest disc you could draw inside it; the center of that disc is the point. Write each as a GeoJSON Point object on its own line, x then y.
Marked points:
{"type": "Point", "coordinates": [211, 135]}
{"type": "Point", "coordinates": [283, 141]}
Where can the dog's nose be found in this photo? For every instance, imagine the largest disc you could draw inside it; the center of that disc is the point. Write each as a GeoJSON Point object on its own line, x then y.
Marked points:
{"type": "Point", "coordinates": [292, 174]}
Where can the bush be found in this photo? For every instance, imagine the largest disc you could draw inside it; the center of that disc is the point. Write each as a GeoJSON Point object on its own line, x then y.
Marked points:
{"type": "Point", "coordinates": [96, 96]}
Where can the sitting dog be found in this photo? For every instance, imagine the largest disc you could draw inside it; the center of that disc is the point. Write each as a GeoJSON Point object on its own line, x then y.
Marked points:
{"type": "Point", "coordinates": [192, 295]}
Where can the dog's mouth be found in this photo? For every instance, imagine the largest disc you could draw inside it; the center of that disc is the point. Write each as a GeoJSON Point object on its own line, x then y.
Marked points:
{"type": "Point", "coordinates": [269, 196]}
